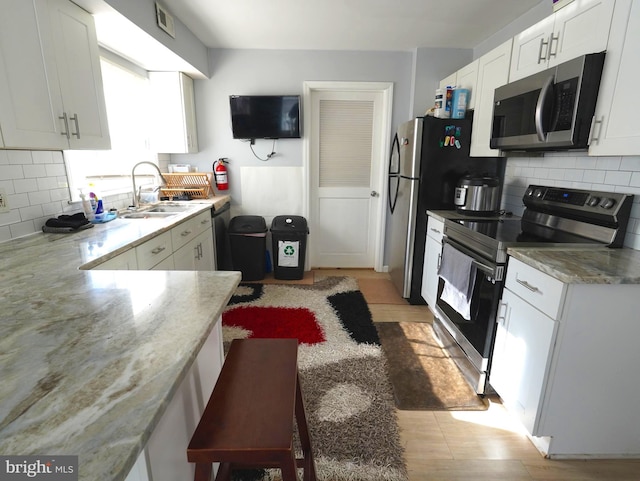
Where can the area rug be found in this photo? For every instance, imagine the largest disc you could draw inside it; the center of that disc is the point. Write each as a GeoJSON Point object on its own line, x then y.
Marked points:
{"type": "Point", "coordinates": [423, 376]}
{"type": "Point", "coordinates": [343, 373]}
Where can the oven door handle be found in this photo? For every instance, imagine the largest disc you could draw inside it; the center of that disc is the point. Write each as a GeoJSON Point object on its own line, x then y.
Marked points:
{"type": "Point", "coordinates": [495, 272]}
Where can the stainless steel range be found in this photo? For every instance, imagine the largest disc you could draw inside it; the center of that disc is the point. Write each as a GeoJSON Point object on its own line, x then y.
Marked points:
{"type": "Point", "coordinates": [553, 216]}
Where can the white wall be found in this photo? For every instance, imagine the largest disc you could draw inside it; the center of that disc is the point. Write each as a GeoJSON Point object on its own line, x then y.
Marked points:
{"type": "Point", "coordinates": [271, 72]}
{"type": "Point", "coordinates": [577, 170]}
{"type": "Point", "coordinates": [533, 16]}
{"type": "Point", "coordinates": [430, 66]}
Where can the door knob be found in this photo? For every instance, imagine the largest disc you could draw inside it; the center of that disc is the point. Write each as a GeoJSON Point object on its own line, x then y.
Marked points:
{"type": "Point", "coordinates": [374, 193]}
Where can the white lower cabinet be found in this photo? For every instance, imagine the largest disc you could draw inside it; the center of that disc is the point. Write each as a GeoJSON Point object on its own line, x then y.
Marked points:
{"type": "Point", "coordinates": [154, 251]}
{"type": "Point", "coordinates": [432, 254]}
{"type": "Point", "coordinates": [186, 247]}
{"type": "Point", "coordinates": [165, 265]}
{"type": "Point", "coordinates": [196, 255]}
{"type": "Point", "coordinates": [164, 457]}
{"type": "Point", "coordinates": [521, 354]}
{"type": "Point", "coordinates": [565, 362]}
{"type": "Point", "coordinates": [126, 261]}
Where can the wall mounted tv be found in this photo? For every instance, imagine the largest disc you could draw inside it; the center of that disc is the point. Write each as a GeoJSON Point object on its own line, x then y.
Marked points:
{"type": "Point", "coordinates": [265, 116]}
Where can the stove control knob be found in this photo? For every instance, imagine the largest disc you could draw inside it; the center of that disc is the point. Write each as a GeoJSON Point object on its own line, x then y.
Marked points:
{"type": "Point", "coordinates": [538, 193]}
{"type": "Point", "coordinates": [593, 201]}
{"type": "Point", "coordinates": [529, 192]}
{"type": "Point", "coordinates": [607, 203]}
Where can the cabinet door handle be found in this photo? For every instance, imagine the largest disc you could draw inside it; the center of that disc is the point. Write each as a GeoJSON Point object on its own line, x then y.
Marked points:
{"type": "Point", "coordinates": [185, 233]}
{"type": "Point", "coordinates": [74, 117]}
{"type": "Point", "coordinates": [158, 250]}
{"type": "Point", "coordinates": [527, 285]}
{"type": "Point", "coordinates": [543, 58]}
{"type": "Point", "coordinates": [552, 52]}
{"type": "Point", "coordinates": [63, 117]}
{"type": "Point", "coordinates": [436, 231]}
{"type": "Point", "coordinates": [593, 138]}
{"type": "Point", "coordinates": [439, 260]}
{"type": "Point", "coordinates": [205, 221]}
{"type": "Point", "coordinates": [502, 313]}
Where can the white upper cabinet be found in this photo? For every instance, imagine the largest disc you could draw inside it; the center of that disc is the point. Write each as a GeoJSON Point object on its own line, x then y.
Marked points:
{"type": "Point", "coordinates": [174, 114]}
{"type": "Point", "coordinates": [467, 78]}
{"type": "Point", "coordinates": [449, 81]}
{"type": "Point", "coordinates": [51, 94]}
{"type": "Point", "coordinates": [579, 28]}
{"type": "Point", "coordinates": [78, 62]}
{"type": "Point", "coordinates": [30, 100]}
{"type": "Point", "coordinates": [616, 130]}
{"type": "Point", "coordinates": [493, 72]}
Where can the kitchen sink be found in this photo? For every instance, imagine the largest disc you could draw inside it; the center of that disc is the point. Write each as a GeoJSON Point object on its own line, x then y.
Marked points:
{"type": "Point", "coordinates": [174, 208]}
{"type": "Point", "coordinates": [149, 215]}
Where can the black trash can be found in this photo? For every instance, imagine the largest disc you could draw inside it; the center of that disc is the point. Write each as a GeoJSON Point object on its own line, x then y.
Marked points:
{"type": "Point", "coordinates": [248, 240]}
{"type": "Point", "coordinates": [289, 241]}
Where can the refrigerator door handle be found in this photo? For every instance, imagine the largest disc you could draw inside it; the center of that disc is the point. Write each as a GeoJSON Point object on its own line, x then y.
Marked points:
{"type": "Point", "coordinates": [393, 193]}
{"type": "Point", "coordinates": [395, 148]}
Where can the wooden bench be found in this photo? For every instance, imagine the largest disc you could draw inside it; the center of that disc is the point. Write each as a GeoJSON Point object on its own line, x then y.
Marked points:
{"type": "Point", "coordinates": [248, 421]}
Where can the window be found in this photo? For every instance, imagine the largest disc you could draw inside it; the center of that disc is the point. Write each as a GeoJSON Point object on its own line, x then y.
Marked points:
{"type": "Point", "coordinates": [127, 97]}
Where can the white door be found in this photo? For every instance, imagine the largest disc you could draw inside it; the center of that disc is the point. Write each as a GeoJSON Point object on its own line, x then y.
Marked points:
{"type": "Point", "coordinates": [347, 140]}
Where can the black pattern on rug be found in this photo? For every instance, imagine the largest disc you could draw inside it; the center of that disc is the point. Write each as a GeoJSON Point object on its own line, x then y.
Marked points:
{"type": "Point", "coordinates": [348, 395]}
{"type": "Point", "coordinates": [353, 312]}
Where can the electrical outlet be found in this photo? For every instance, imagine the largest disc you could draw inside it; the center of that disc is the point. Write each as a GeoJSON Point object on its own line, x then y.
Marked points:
{"type": "Point", "coordinates": [4, 201]}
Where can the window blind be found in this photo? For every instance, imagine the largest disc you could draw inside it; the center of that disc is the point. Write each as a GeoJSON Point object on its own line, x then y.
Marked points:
{"type": "Point", "coordinates": [346, 128]}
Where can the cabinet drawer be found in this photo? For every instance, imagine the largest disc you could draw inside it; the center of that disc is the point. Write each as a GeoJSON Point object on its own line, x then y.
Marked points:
{"type": "Point", "coordinates": [535, 287]}
{"type": "Point", "coordinates": [154, 251]}
{"type": "Point", "coordinates": [435, 228]}
{"type": "Point", "coordinates": [183, 233]}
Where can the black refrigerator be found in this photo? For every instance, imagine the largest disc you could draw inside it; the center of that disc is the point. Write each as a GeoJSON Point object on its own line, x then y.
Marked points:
{"type": "Point", "coordinates": [428, 157]}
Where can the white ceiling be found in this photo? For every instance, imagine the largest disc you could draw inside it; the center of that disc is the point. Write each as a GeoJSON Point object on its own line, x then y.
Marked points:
{"type": "Point", "coordinates": [346, 24]}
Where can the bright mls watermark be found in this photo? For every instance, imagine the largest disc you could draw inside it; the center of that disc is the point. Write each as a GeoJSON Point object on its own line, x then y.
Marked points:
{"type": "Point", "coordinates": [49, 468]}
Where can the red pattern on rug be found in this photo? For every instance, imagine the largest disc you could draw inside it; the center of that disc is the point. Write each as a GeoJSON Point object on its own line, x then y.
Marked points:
{"type": "Point", "coordinates": [276, 322]}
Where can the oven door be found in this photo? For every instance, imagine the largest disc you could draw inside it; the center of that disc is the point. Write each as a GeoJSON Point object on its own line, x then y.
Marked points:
{"type": "Point", "coordinates": [475, 336]}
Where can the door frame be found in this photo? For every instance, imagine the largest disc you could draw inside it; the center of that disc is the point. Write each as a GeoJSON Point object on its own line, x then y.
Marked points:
{"type": "Point", "coordinates": [386, 89]}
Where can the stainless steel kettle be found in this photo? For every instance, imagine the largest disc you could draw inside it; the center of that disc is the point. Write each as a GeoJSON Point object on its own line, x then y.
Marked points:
{"type": "Point", "coordinates": [478, 194]}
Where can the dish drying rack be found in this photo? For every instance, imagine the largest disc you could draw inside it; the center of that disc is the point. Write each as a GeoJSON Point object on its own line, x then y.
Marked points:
{"type": "Point", "coordinates": [196, 185]}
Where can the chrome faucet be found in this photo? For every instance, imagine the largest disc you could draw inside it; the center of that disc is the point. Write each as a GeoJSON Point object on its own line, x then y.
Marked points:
{"type": "Point", "coordinates": [136, 196]}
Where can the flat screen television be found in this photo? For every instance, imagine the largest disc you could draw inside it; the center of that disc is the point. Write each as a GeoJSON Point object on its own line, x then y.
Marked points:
{"type": "Point", "coordinates": [265, 116]}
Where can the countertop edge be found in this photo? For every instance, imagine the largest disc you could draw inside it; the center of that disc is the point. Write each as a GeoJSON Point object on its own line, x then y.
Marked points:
{"type": "Point", "coordinates": [601, 265]}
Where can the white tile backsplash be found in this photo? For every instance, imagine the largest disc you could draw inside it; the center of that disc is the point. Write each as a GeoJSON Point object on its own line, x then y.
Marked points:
{"type": "Point", "coordinates": [617, 174]}
{"type": "Point", "coordinates": [36, 186]}
{"type": "Point", "coordinates": [35, 199]}
{"type": "Point", "coordinates": [37, 189]}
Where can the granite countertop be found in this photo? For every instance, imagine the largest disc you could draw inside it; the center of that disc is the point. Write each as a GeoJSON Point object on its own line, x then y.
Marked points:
{"type": "Point", "coordinates": [583, 265]}
{"type": "Point", "coordinates": [108, 240]}
{"type": "Point", "coordinates": [90, 359]}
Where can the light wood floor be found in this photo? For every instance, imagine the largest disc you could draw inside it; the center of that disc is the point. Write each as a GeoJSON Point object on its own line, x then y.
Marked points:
{"type": "Point", "coordinates": [478, 445]}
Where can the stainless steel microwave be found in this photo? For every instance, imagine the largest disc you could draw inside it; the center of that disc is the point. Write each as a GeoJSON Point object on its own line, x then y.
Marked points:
{"type": "Point", "coordinates": [550, 110]}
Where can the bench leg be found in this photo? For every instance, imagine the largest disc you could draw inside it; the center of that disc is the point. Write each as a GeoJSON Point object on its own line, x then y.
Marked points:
{"type": "Point", "coordinates": [305, 439]}
{"type": "Point", "coordinates": [288, 468]}
{"type": "Point", "coordinates": [203, 472]}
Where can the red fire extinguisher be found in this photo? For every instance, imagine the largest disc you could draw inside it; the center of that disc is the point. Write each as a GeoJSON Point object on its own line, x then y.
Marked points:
{"type": "Point", "coordinates": [220, 174]}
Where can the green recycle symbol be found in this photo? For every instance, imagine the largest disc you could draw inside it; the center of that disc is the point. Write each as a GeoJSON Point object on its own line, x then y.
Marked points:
{"type": "Point", "coordinates": [289, 250]}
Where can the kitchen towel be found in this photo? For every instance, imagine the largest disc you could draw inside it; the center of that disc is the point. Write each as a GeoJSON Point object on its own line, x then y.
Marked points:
{"type": "Point", "coordinates": [67, 223]}
{"type": "Point", "coordinates": [459, 273]}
